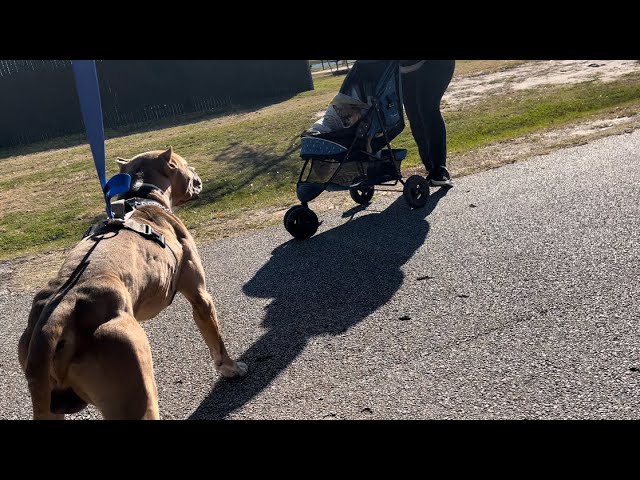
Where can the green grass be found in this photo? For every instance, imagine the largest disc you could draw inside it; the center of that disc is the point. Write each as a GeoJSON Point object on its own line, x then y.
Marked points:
{"type": "Point", "coordinates": [52, 228]}
{"type": "Point", "coordinates": [250, 160]}
{"type": "Point", "coordinates": [533, 110]}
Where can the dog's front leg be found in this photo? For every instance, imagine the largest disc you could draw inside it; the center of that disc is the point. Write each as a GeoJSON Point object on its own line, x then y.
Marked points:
{"type": "Point", "coordinates": [192, 286]}
{"type": "Point", "coordinates": [204, 313]}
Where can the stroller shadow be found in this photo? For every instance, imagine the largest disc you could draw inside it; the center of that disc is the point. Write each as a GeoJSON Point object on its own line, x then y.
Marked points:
{"type": "Point", "coordinates": [322, 286]}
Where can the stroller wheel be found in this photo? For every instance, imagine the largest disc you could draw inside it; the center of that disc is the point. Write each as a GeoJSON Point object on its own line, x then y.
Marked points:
{"type": "Point", "coordinates": [416, 191]}
{"type": "Point", "coordinates": [362, 194]}
{"type": "Point", "coordinates": [302, 222]}
{"type": "Point", "coordinates": [286, 215]}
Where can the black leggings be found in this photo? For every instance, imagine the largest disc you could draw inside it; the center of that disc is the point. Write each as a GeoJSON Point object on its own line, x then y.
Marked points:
{"type": "Point", "coordinates": [422, 92]}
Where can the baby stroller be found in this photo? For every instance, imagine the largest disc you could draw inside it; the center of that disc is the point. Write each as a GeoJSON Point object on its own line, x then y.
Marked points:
{"type": "Point", "coordinates": [352, 156]}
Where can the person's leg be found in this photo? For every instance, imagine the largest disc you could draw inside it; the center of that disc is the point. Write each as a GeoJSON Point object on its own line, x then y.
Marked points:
{"type": "Point", "coordinates": [411, 106]}
{"type": "Point", "coordinates": [431, 83]}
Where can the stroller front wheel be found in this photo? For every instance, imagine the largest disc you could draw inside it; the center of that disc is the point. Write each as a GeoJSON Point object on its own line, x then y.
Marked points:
{"type": "Point", "coordinates": [362, 194]}
{"type": "Point", "coordinates": [416, 191]}
{"type": "Point", "coordinates": [301, 222]}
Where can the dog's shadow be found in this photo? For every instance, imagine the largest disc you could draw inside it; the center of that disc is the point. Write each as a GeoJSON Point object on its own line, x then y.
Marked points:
{"type": "Point", "coordinates": [321, 286]}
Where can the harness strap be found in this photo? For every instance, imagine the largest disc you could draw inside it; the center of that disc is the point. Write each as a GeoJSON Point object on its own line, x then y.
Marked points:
{"type": "Point", "coordinates": [142, 228]}
{"type": "Point", "coordinates": [146, 231]}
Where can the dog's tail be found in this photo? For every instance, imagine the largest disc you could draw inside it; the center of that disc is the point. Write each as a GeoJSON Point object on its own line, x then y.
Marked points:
{"type": "Point", "coordinates": [50, 352]}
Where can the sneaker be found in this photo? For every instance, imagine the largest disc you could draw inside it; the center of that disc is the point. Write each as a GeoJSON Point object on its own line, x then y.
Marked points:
{"type": "Point", "coordinates": [441, 179]}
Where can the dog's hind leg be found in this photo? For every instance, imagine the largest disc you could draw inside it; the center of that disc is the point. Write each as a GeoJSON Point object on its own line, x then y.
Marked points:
{"type": "Point", "coordinates": [35, 354]}
{"type": "Point", "coordinates": [39, 302]}
{"type": "Point", "coordinates": [193, 287]}
{"type": "Point", "coordinates": [116, 371]}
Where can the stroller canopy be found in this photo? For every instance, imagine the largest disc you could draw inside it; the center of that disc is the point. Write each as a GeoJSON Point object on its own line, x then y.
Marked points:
{"type": "Point", "coordinates": [379, 79]}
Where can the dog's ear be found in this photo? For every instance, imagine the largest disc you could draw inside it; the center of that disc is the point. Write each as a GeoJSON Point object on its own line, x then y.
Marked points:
{"type": "Point", "coordinates": [122, 161]}
{"type": "Point", "coordinates": [168, 157]}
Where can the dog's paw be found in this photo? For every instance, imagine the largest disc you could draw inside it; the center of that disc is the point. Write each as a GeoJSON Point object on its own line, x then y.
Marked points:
{"type": "Point", "coordinates": [238, 369]}
{"type": "Point", "coordinates": [242, 368]}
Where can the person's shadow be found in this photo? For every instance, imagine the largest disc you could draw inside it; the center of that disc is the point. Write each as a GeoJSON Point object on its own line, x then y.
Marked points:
{"type": "Point", "coordinates": [320, 286]}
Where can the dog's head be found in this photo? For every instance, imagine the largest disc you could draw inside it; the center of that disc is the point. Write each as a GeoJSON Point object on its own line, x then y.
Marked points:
{"type": "Point", "coordinates": [349, 114]}
{"type": "Point", "coordinates": [166, 170]}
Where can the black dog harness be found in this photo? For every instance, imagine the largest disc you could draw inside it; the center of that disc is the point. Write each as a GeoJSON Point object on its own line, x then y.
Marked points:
{"type": "Point", "coordinates": [127, 223]}
{"type": "Point", "coordinates": [123, 209]}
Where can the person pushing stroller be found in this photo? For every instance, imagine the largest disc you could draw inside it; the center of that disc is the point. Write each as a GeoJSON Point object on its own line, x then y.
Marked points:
{"type": "Point", "coordinates": [423, 85]}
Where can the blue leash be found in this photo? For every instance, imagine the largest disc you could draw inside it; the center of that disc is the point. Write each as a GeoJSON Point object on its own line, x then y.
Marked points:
{"type": "Point", "coordinates": [90, 104]}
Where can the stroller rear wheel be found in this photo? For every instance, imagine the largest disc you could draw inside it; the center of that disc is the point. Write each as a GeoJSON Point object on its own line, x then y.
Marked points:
{"type": "Point", "coordinates": [301, 222]}
{"type": "Point", "coordinates": [416, 191]}
{"type": "Point", "coordinates": [362, 194]}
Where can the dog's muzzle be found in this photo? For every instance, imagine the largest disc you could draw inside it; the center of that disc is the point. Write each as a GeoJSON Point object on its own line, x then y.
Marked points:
{"type": "Point", "coordinates": [195, 184]}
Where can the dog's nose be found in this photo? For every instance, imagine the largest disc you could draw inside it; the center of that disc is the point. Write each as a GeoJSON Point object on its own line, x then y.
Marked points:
{"type": "Point", "coordinates": [197, 185]}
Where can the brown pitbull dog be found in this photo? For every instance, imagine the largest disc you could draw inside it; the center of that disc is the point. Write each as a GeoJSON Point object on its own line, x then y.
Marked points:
{"type": "Point", "coordinates": [83, 343]}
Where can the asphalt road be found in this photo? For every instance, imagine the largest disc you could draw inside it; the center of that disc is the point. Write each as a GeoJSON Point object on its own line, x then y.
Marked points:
{"type": "Point", "coordinates": [512, 296]}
